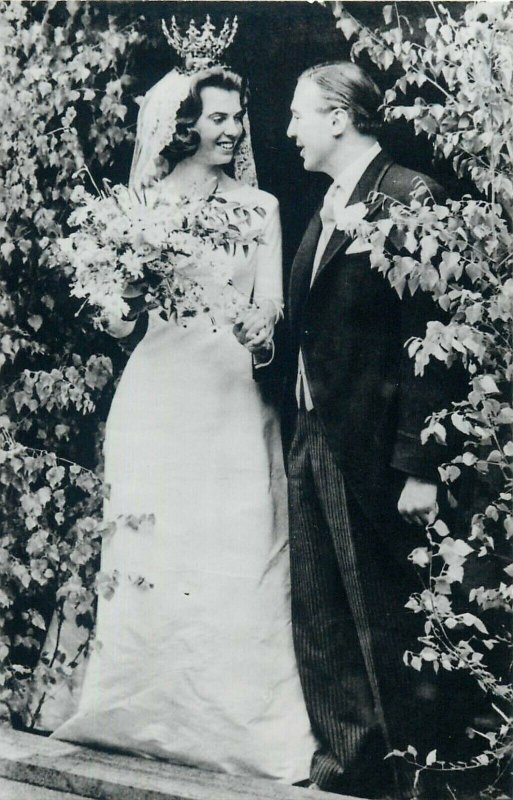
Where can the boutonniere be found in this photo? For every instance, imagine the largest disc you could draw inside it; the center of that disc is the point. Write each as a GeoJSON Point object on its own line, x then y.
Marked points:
{"type": "Point", "coordinates": [348, 218]}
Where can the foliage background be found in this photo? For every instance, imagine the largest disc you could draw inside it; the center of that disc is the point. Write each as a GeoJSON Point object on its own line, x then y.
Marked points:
{"type": "Point", "coordinates": [461, 254]}
{"type": "Point", "coordinates": [63, 87]}
{"type": "Point", "coordinates": [70, 74]}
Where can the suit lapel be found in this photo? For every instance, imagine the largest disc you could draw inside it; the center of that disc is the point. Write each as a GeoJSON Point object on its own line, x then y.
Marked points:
{"type": "Point", "coordinates": [369, 182]}
{"type": "Point", "coordinates": [301, 272]}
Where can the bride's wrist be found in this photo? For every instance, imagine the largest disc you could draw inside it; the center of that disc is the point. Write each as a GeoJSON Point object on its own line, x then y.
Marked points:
{"type": "Point", "coordinates": [272, 309]}
{"type": "Point", "coordinates": [119, 327]}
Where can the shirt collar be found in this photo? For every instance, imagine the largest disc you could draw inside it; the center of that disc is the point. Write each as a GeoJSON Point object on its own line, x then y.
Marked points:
{"type": "Point", "coordinates": [348, 178]}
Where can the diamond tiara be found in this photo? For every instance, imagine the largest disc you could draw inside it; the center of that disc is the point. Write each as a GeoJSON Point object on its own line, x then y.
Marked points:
{"type": "Point", "coordinates": [200, 48]}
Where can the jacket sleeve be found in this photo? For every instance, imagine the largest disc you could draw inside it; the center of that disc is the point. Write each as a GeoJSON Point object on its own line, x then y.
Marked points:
{"type": "Point", "coordinates": [420, 395]}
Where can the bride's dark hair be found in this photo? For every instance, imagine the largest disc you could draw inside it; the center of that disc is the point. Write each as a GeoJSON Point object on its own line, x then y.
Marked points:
{"type": "Point", "coordinates": [185, 140]}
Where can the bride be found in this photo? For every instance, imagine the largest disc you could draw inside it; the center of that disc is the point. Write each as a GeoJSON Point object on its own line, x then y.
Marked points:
{"type": "Point", "coordinates": [196, 665]}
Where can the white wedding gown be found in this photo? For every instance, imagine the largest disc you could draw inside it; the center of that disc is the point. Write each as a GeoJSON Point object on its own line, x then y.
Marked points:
{"type": "Point", "coordinates": [200, 667]}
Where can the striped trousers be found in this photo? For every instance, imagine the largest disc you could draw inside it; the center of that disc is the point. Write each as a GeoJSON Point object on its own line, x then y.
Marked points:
{"type": "Point", "coordinates": [350, 628]}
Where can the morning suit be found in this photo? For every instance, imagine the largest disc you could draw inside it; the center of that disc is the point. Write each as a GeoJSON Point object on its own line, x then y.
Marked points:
{"type": "Point", "coordinates": [347, 463]}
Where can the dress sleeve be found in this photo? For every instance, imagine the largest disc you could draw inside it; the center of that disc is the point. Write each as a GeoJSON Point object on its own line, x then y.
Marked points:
{"type": "Point", "coordinates": [268, 272]}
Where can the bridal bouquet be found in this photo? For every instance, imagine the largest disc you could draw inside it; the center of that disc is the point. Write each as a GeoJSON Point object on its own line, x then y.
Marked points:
{"type": "Point", "coordinates": [122, 243]}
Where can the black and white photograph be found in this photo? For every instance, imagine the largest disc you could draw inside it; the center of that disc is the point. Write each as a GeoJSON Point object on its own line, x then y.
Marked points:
{"type": "Point", "coordinates": [256, 364]}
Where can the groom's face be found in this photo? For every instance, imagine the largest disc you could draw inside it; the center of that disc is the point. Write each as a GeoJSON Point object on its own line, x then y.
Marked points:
{"type": "Point", "coordinates": [311, 126]}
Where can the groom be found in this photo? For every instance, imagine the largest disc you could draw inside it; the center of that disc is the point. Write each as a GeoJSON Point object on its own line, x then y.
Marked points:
{"type": "Point", "coordinates": [361, 484]}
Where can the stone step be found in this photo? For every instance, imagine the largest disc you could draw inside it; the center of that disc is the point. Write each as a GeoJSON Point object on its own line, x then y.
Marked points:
{"type": "Point", "coordinates": [68, 769]}
{"type": "Point", "coordinates": [13, 790]}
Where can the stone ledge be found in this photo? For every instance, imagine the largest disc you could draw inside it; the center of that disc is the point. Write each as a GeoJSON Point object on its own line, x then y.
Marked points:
{"type": "Point", "coordinates": [13, 790]}
{"type": "Point", "coordinates": [88, 773]}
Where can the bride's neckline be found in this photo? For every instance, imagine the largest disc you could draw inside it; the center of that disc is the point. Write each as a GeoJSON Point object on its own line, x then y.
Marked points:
{"type": "Point", "coordinates": [166, 186]}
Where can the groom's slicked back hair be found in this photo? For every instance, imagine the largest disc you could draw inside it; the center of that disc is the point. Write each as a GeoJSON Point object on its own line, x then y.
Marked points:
{"type": "Point", "coordinates": [345, 85]}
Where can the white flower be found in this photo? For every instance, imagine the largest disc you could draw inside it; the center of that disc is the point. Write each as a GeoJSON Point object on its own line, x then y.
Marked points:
{"type": "Point", "coordinates": [154, 234]}
{"type": "Point", "coordinates": [66, 246]}
{"type": "Point", "coordinates": [78, 195]}
{"type": "Point", "coordinates": [120, 237]}
{"type": "Point", "coordinates": [348, 218]}
{"type": "Point", "coordinates": [132, 264]}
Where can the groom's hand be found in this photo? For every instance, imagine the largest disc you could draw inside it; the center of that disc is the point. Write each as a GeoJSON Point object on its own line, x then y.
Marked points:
{"type": "Point", "coordinates": [417, 503]}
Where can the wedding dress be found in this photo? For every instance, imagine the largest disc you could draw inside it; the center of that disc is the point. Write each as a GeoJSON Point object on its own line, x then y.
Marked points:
{"type": "Point", "coordinates": [195, 663]}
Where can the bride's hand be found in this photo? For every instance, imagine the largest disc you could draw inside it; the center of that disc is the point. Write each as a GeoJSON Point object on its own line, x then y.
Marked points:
{"type": "Point", "coordinates": [254, 329]}
{"type": "Point", "coordinates": [136, 295]}
{"type": "Point", "coordinates": [135, 289]}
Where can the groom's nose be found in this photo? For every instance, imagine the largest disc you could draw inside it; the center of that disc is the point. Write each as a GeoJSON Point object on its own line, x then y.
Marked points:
{"type": "Point", "coordinates": [291, 130]}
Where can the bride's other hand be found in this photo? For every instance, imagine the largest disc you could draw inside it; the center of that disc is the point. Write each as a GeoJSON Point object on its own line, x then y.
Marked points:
{"type": "Point", "coordinates": [254, 328]}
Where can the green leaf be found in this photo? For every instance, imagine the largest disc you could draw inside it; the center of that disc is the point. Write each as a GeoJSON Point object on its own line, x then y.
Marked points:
{"type": "Point", "coordinates": [35, 321]}
{"type": "Point", "coordinates": [508, 449]}
{"type": "Point", "coordinates": [460, 423]}
{"type": "Point", "coordinates": [428, 248]}
{"type": "Point", "coordinates": [440, 527]}
{"type": "Point", "coordinates": [432, 26]}
{"type": "Point", "coordinates": [420, 556]}
{"type": "Point", "coordinates": [348, 26]}
{"type": "Point", "coordinates": [454, 551]}
{"type": "Point", "coordinates": [472, 620]}
{"type": "Point", "coordinates": [387, 13]}
{"type": "Point", "coordinates": [505, 416]}
{"type": "Point", "coordinates": [450, 266]}
{"type": "Point", "coordinates": [488, 385]}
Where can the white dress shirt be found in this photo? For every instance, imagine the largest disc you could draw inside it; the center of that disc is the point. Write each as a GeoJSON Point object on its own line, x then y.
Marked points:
{"type": "Point", "coordinates": [337, 196]}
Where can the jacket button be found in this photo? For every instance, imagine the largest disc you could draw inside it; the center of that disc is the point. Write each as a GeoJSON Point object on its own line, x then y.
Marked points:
{"type": "Point", "coordinates": [306, 332]}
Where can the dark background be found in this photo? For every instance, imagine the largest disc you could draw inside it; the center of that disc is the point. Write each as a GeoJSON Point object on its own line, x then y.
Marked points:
{"type": "Point", "coordinates": [275, 42]}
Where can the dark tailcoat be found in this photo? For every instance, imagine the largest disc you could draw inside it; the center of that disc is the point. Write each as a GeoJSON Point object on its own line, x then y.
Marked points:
{"type": "Point", "coordinates": [352, 327]}
{"type": "Point", "coordinates": [347, 464]}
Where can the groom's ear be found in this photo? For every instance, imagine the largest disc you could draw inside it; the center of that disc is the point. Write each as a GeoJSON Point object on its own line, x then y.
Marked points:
{"type": "Point", "coordinates": [339, 121]}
